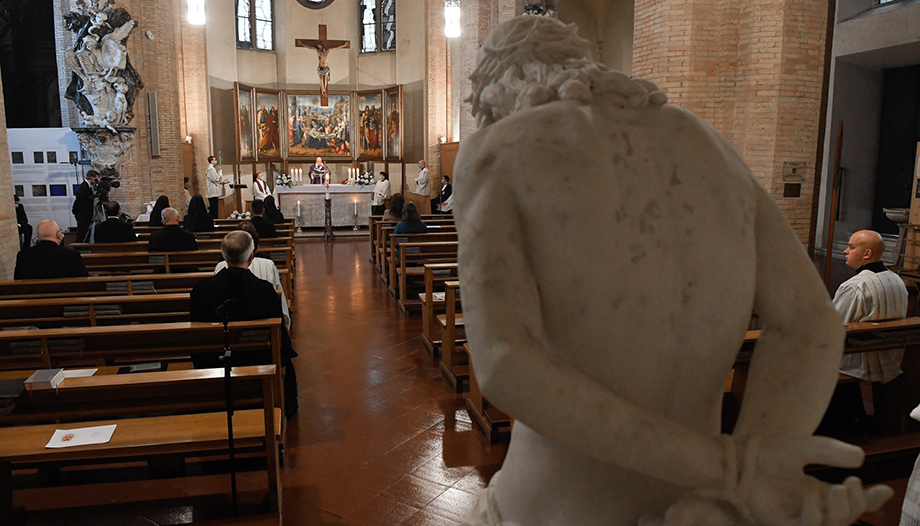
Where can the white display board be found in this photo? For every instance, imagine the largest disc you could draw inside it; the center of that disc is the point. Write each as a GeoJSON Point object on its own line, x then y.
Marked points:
{"type": "Point", "coordinates": [43, 176]}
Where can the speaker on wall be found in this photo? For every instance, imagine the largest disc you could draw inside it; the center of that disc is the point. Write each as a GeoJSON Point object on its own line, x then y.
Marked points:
{"type": "Point", "coordinates": [154, 124]}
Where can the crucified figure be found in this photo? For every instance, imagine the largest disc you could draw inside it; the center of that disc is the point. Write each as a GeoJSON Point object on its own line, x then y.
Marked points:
{"type": "Point", "coordinates": [323, 46]}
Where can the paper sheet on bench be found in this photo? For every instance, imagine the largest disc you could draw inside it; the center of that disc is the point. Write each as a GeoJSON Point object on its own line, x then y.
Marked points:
{"type": "Point", "coordinates": [81, 437]}
{"type": "Point", "coordinates": [79, 373]}
{"type": "Point", "coordinates": [439, 296]}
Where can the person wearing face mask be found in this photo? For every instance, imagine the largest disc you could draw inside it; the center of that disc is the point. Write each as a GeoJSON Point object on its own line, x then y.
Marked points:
{"type": "Point", "coordinates": [423, 181]}
{"type": "Point", "coordinates": [436, 203]}
{"type": "Point", "coordinates": [215, 186]}
{"type": "Point", "coordinates": [381, 194]}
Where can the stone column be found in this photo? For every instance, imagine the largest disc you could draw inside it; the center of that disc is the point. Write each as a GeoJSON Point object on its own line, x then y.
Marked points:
{"type": "Point", "coordinates": [9, 233]}
{"type": "Point", "coordinates": [753, 70]}
{"type": "Point", "coordinates": [196, 102]}
{"type": "Point", "coordinates": [63, 40]}
{"type": "Point", "coordinates": [436, 87]}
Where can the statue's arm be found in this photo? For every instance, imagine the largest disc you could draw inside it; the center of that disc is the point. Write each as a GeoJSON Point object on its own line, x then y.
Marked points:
{"type": "Point", "coordinates": [794, 367]}
{"type": "Point", "coordinates": [502, 311]}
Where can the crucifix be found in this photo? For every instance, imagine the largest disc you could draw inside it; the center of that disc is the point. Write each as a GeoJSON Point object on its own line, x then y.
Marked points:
{"type": "Point", "coordinates": [323, 46]}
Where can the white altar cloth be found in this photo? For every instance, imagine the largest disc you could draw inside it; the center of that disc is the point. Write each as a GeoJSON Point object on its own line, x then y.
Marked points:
{"type": "Point", "coordinates": [346, 199]}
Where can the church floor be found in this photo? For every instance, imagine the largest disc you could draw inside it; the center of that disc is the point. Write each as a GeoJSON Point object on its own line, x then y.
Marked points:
{"type": "Point", "coordinates": [379, 439]}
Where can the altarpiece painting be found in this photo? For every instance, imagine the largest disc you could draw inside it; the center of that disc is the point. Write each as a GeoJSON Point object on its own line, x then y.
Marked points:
{"type": "Point", "coordinates": [316, 130]}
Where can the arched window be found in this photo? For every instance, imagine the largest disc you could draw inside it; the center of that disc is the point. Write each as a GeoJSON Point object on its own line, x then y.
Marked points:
{"type": "Point", "coordinates": [378, 25]}
{"type": "Point", "coordinates": [254, 23]}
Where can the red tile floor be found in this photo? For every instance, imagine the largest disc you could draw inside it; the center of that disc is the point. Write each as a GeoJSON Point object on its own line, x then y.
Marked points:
{"type": "Point", "coordinates": [379, 440]}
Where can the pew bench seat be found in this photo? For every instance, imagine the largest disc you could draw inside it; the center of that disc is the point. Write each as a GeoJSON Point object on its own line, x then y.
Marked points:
{"type": "Point", "coordinates": [492, 421]}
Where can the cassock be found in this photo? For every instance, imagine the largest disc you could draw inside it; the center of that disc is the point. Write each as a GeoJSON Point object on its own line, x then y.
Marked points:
{"type": "Point", "coordinates": [172, 238]}
{"type": "Point", "coordinates": [253, 299]}
{"type": "Point", "coordinates": [264, 227]}
{"type": "Point", "coordinates": [259, 190]}
{"type": "Point", "coordinates": [423, 182]}
{"type": "Point", "coordinates": [49, 260]}
{"type": "Point", "coordinates": [114, 230]}
{"type": "Point", "coordinates": [873, 294]}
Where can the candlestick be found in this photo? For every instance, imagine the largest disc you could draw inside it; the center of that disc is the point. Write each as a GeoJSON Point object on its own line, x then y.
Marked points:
{"type": "Point", "coordinates": [356, 207]}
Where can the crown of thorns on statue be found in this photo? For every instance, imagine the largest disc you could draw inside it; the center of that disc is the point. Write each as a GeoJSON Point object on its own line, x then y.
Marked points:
{"type": "Point", "coordinates": [532, 60]}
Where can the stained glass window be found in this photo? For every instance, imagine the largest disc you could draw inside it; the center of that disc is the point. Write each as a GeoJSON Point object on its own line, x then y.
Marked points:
{"type": "Point", "coordinates": [378, 25]}
{"type": "Point", "coordinates": [254, 24]}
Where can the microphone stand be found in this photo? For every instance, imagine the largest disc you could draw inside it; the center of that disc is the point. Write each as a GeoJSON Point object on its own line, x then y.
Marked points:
{"type": "Point", "coordinates": [228, 388]}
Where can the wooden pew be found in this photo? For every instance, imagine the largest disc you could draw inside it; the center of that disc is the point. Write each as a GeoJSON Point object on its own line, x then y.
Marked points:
{"type": "Point", "coordinates": [203, 244]}
{"type": "Point", "coordinates": [412, 258]}
{"type": "Point", "coordinates": [389, 258]}
{"type": "Point", "coordinates": [435, 276]}
{"type": "Point", "coordinates": [384, 229]}
{"type": "Point", "coordinates": [125, 344]}
{"type": "Point", "coordinates": [372, 227]}
{"type": "Point", "coordinates": [901, 433]}
{"type": "Point", "coordinates": [80, 311]}
{"type": "Point", "coordinates": [492, 421]}
{"type": "Point", "coordinates": [220, 228]}
{"type": "Point", "coordinates": [454, 364]}
{"type": "Point", "coordinates": [289, 221]}
{"type": "Point", "coordinates": [125, 285]}
{"type": "Point", "coordinates": [193, 434]}
{"type": "Point", "coordinates": [169, 262]}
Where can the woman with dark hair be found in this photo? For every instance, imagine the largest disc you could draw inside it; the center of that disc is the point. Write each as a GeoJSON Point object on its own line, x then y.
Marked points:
{"type": "Point", "coordinates": [395, 212]}
{"type": "Point", "coordinates": [198, 219]}
{"type": "Point", "coordinates": [381, 194]}
{"type": "Point", "coordinates": [156, 218]}
{"type": "Point", "coordinates": [272, 213]}
{"type": "Point", "coordinates": [412, 222]}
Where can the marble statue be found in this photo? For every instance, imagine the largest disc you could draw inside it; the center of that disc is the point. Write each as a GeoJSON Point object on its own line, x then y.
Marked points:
{"type": "Point", "coordinates": [605, 313]}
{"type": "Point", "coordinates": [104, 84]}
{"type": "Point", "coordinates": [102, 74]}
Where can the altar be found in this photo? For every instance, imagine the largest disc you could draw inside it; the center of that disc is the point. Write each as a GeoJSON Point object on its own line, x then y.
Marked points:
{"type": "Point", "coordinates": [346, 200]}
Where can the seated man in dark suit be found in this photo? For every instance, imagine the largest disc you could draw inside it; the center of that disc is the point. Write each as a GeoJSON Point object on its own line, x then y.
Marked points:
{"type": "Point", "coordinates": [113, 229]}
{"type": "Point", "coordinates": [48, 259]}
{"type": "Point", "coordinates": [250, 298]}
{"type": "Point", "coordinates": [264, 227]}
{"type": "Point", "coordinates": [172, 238]}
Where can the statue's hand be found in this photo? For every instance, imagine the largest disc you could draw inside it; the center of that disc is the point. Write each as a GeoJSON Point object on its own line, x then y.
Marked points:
{"type": "Point", "coordinates": [768, 487]}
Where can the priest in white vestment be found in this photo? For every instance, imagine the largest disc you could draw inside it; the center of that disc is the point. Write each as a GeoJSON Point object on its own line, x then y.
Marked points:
{"type": "Point", "coordinates": [873, 294]}
{"type": "Point", "coordinates": [423, 181]}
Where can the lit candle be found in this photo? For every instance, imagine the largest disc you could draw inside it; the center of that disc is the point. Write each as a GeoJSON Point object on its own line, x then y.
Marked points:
{"type": "Point", "coordinates": [298, 209]}
{"type": "Point", "coordinates": [356, 207]}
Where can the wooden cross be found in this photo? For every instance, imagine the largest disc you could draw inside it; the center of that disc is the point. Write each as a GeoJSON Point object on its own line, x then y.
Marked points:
{"type": "Point", "coordinates": [323, 46]}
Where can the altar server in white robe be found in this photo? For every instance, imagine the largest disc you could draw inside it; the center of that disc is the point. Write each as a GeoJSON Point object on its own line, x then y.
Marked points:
{"type": "Point", "coordinates": [423, 181]}
{"type": "Point", "coordinates": [873, 294]}
{"type": "Point", "coordinates": [259, 187]}
{"type": "Point", "coordinates": [381, 194]}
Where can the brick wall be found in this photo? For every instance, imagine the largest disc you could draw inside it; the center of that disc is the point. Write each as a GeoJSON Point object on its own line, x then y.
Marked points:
{"type": "Point", "coordinates": [9, 233]}
{"type": "Point", "coordinates": [195, 108]}
{"type": "Point", "coordinates": [436, 86]}
{"type": "Point", "coordinates": [753, 70]}
{"type": "Point", "coordinates": [478, 19]}
{"type": "Point", "coordinates": [144, 177]}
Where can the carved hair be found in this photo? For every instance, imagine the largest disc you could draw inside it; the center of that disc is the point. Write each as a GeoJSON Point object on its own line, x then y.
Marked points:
{"type": "Point", "coordinates": [533, 60]}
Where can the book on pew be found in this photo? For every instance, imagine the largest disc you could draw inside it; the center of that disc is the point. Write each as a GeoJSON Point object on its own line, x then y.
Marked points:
{"type": "Point", "coordinates": [66, 345]}
{"type": "Point", "coordinates": [26, 347]}
{"type": "Point", "coordinates": [10, 390]}
{"type": "Point", "coordinates": [108, 310]}
{"type": "Point", "coordinates": [159, 260]}
{"type": "Point", "coordinates": [441, 273]}
{"type": "Point", "coordinates": [116, 286]}
{"type": "Point", "coordinates": [45, 379]}
{"type": "Point", "coordinates": [83, 436]}
{"type": "Point", "coordinates": [144, 368]}
{"type": "Point", "coordinates": [257, 335]}
{"type": "Point", "coordinates": [413, 250]}
{"type": "Point", "coordinates": [146, 285]}
{"type": "Point", "coordinates": [76, 311]}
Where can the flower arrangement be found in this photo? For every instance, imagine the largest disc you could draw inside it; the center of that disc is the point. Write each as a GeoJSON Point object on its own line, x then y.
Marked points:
{"type": "Point", "coordinates": [285, 180]}
{"type": "Point", "coordinates": [365, 178]}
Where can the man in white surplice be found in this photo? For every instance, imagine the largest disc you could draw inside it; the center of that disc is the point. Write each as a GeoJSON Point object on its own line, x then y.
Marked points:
{"type": "Point", "coordinates": [873, 294]}
{"type": "Point", "coordinates": [423, 181]}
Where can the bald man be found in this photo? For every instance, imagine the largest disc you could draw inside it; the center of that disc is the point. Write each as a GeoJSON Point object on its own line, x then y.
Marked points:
{"type": "Point", "coordinates": [48, 259]}
{"type": "Point", "coordinates": [873, 294]}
